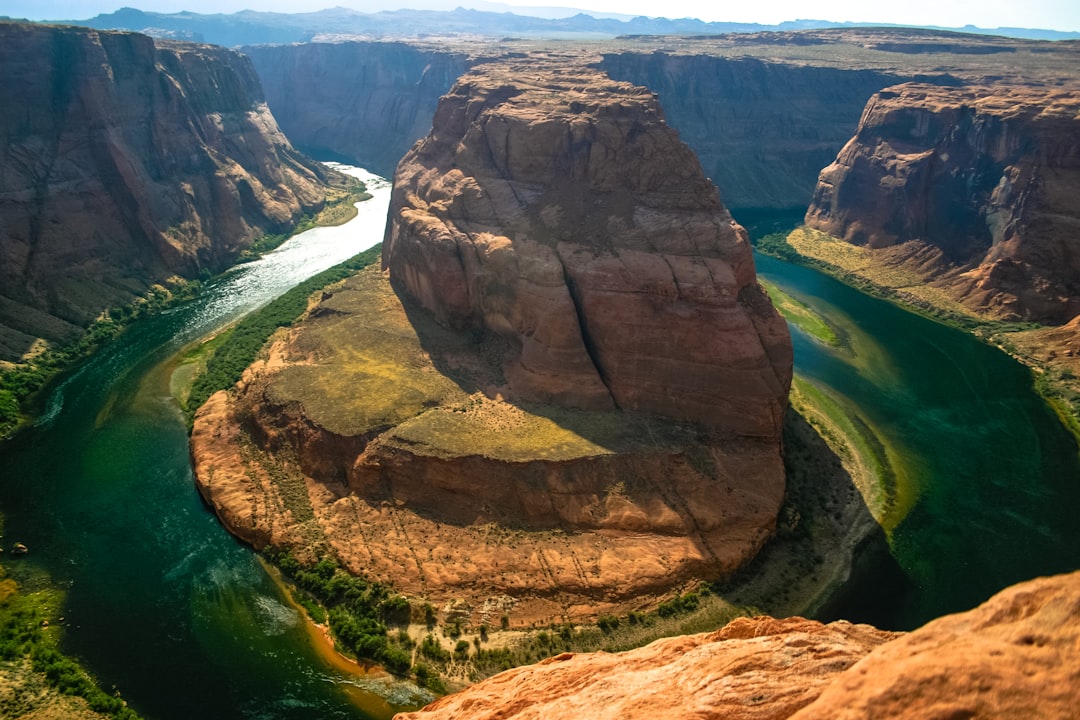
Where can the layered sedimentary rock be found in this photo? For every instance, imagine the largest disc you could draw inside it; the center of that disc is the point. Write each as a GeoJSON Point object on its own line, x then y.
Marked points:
{"type": "Point", "coordinates": [763, 130]}
{"type": "Point", "coordinates": [567, 217]}
{"type": "Point", "coordinates": [1018, 655]}
{"type": "Point", "coordinates": [365, 101]}
{"type": "Point", "coordinates": [124, 163]}
{"type": "Point", "coordinates": [572, 403]}
{"type": "Point", "coordinates": [973, 187]}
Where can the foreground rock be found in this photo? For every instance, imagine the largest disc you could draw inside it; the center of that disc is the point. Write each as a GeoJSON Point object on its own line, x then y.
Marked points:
{"type": "Point", "coordinates": [1016, 656]}
{"type": "Point", "coordinates": [126, 163]}
{"type": "Point", "coordinates": [573, 404]}
{"type": "Point", "coordinates": [971, 189]}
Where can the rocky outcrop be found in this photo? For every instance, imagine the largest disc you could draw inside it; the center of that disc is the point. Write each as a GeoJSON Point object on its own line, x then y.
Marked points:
{"type": "Point", "coordinates": [367, 102]}
{"type": "Point", "coordinates": [124, 163]}
{"type": "Point", "coordinates": [1015, 656]}
{"type": "Point", "coordinates": [572, 404]}
{"type": "Point", "coordinates": [976, 183]}
{"type": "Point", "coordinates": [566, 216]}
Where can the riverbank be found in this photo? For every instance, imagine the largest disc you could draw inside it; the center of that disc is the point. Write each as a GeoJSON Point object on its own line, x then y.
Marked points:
{"type": "Point", "coordinates": [22, 383]}
{"type": "Point", "coordinates": [1052, 353]}
{"type": "Point", "coordinates": [36, 680]}
{"type": "Point", "coordinates": [824, 519]}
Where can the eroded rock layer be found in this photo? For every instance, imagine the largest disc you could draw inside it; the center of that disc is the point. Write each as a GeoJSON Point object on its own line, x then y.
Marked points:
{"type": "Point", "coordinates": [974, 186]}
{"type": "Point", "coordinates": [1016, 656]}
{"type": "Point", "coordinates": [378, 435]}
{"type": "Point", "coordinates": [569, 404]}
{"type": "Point", "coordinates": [563, 214]}
{"type": "Point", "coordinates": [123, 163]}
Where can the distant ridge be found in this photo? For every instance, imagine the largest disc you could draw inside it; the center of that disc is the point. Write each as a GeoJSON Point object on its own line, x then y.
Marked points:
{"type": "Point", "coordinates": [257, 28]}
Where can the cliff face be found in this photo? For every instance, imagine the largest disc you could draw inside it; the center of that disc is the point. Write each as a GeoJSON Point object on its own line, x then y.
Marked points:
{"type": "Point", "coordinates": [124, 163]}
{"type": "Point", "coordinates": [1015, 656]}
{"type": "Point", "coordinates": [979, 182]}
{"type": "Point", "coordinates": [572, 403]}
{"type": "Point", "coordinates": [763, 130]}
{"type": "Point", "coordinates": [366, 101]}
{"type": "Point", "coordinates": [567, 217]}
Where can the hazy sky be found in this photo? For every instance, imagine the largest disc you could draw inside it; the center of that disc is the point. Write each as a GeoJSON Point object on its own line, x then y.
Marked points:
{"type": "Point", "coordinates": [1049, 14]}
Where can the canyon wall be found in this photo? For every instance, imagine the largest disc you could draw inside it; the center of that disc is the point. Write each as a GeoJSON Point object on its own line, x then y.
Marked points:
{"type": "Point", "coordinates": [125, 163]}
{"type": "Point", "coordinates": [974, 188]}
{"type": "Point", "coordinates": [763, 130]}
{"type": "Point", "coordinates": [367, 102]}
{"type": "Point", "coordinates": [1015, 656]}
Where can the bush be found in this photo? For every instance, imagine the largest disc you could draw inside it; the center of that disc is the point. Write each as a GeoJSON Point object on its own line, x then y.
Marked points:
{"type": "Point", "coordinates": [608, 623]}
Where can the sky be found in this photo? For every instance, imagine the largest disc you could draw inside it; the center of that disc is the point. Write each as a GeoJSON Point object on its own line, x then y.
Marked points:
{"type": "Point", "coordinates": [1046, 14]}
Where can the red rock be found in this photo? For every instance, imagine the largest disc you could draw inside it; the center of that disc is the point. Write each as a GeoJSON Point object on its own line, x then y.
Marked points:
{"type": "Point", "coordinates": [125, 163]}
{"type": "Point", "coordinates": [556, 208]}
{"type": "Point", "coordinates": [980, 180]}
{"type": "Point", "coordinates": [1015, 656]}
{"type": "Point", "coordinates": [755, 668]}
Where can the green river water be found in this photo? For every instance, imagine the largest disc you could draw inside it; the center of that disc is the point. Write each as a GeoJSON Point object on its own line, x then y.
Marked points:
{"type": "Point", "coordinates": [165, 605]}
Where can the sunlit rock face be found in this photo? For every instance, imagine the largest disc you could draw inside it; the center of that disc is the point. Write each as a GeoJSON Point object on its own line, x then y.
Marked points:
{"type": "Point", "coordinates": [974, 187]}
{"type": "Point", "coordinates": [556, 208]}
{"type": "Point", "coordinates": [126, 162]}
{"type": "Point", "coordinates": [1015, 656]}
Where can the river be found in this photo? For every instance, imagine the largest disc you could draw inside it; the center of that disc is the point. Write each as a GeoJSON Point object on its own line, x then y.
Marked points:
{"type": "Point", "coordinates": [987, 477]}
{"type": "Point", "coordinates": [165, 605]}
{"type": "Point", "coordinates": [161, 601]}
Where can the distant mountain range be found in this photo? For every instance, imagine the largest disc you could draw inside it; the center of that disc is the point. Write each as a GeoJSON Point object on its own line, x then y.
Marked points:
{"type": "Point", "coordinates": [256, 28]}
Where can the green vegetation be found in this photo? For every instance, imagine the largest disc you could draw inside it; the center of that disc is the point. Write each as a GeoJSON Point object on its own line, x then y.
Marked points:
{"type": "Point", "coordinates": [800, 314]}
{"type": "Point", "coordinates": [1058, 387]}
{"type": "Point", "coordinates": [31, 663]}
{"type": "Point", "coordinates": [701, 610]}
{"type": "Point", "coordinates": [357, 610]}
{"type": "Point", "coordinates": [850, 265]}
{"type": "Point", "coordinates": [886, 496]}
{"type": "Point", "coordinates": [237, 347]}
{"type": "Point", "coordinates": [339, 209]}
{"type": "Point", "coordinates": [21, 382]}
{"type": "Point", "coordinates": [361, 614]}
{"type": "Point", "coordinates": [776, 245]}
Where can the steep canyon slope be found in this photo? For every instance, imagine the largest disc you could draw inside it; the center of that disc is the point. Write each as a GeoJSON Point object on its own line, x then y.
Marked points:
{"type": "Point", "coordinates": [764, 112]}
{"type": "Point", "coordinates": [125, 162]}
{"type": "Point", "coordinates": [972, 189]}
{"type": "Point", "coordinates": [564, 395]}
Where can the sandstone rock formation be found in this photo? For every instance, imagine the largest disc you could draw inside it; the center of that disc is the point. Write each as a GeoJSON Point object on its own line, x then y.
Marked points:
{"type": "Point", "coordinates": [764, 112]}
{"type": "Point", "coordinates": [1016, 656]}
{"type": "Point", "coordinates": [124, 163]}
{"type": "Point", "coordinates": [974, 187]}
{"type": "Point", "coordinates": [572, 405]}
{"type": "Point", "coordinates": [564, 215]}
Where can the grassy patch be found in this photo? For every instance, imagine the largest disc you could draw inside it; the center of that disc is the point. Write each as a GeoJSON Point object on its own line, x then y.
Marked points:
{"type": "Point", "coordinates": [472, 654]}
{"type": "Point", "coordinates": [887, 497]}
{"type": "Point", "coordinates": [802, 315]}
{"type": "Point", "coordinates": [856, 266]}
{"type": "Point", "coordinates": [237, 347]}
{"type": "Point", "coordinates": [358, 611]}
